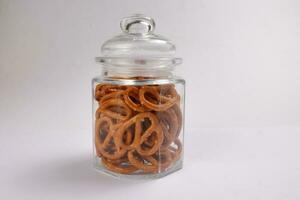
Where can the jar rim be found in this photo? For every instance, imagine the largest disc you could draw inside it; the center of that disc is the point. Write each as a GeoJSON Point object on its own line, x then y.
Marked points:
{"type": "Point", "coordinates": [139, 63]}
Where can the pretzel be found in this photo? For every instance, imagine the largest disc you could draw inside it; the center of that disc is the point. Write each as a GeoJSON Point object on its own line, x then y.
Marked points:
{"type": "Point", "coordinates": [147, 164]}
{"type": "Point", "coordinates": [98, 92]}
{"type": "Point", "coordinates": [112, 95]}
{"type": "Point", "coordinates": [120, 166]}
{"type": "Point", "coordinates": [131, 98]}
{"type": "Point", "coordinates": [140, 138]}
{"type": "Point", "coordinates": [104, 89]}
{"type": "Point", "coordinates": [104, 142]}
{"type": "Point", "coordinates": [162, 102]}
{"type": "Point", "coordinates": [155, 163]}
{"type": "Point", "coordinates": [116, 108]}
{"type": "Point", "coordinates": [169, 123]}
{"type": "Point", "coordinates": [137, 128]}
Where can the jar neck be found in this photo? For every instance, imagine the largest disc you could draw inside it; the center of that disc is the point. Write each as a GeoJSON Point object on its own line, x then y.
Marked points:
{"type": "Point", "coordinates": [159, 67]}
{"type": "Point", "coordinates": [134, 73]}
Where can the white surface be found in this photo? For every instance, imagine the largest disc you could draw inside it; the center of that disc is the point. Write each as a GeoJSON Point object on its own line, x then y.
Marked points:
{"type": "Point", "coordinates": [219, 164]}
{"type": "Point", "coordinates": [241, 63]}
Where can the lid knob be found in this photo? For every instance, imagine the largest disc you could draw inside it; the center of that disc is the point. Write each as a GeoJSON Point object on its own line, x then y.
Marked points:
{"type": "Point", "coordinates": [137, 24]}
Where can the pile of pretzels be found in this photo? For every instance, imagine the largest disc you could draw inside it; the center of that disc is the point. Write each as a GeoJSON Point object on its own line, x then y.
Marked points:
{"type": "Point", "coordinates": [137, 128]}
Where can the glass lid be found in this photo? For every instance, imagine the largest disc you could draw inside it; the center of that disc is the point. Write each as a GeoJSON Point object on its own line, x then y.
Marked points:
{"type": "Point", "coordinates": [138, 46]}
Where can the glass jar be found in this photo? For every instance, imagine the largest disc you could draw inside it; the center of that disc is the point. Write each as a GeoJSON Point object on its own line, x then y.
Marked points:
{"type": "Point", "coordinates": [138, 104]}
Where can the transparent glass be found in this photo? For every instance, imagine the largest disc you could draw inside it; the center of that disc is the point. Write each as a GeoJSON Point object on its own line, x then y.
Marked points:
{"type": "Point", "coordinates": [138, 104]}
{"type": "Point", "coordinates": [138, 126]}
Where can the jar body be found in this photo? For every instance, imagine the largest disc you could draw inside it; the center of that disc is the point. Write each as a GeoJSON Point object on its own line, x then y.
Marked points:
{"type": "Point", "coordinates": [138, 125]}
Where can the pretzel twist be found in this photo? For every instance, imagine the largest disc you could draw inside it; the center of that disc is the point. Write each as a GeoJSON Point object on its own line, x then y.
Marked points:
{"type": "Point", "coordinates": [162, 101]}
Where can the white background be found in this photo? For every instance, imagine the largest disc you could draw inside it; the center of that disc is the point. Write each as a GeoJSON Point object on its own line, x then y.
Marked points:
{"type": "Point", "coordinates": [241, 64]}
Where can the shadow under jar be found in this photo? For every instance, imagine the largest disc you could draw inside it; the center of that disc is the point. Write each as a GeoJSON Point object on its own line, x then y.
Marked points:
{"type": "Point", "coordinates": [138, 104]}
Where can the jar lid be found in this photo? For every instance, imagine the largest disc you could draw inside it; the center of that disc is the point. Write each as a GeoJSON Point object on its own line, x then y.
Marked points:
{"type": "Point", "coordinates": [138, 45]}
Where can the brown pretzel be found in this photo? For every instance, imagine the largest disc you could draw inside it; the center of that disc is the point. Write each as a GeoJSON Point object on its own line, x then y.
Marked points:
{"type": "Point", "coordinates": [120, 166]}
{"type": "Point", "coordinates": [98, 92]}
{"type": "Point", "coordinates": [169, 122]}
{"type": "Point", "coordinates": [140, 138]}
{"type": "Point", "coordinates": [104, 89]}
{"type": "Point", "coordinates": [155, 163]}
{"type": "Point", "coordinates": [131, 98]}
{"type": "Point", "coordinates": [164, 97]}
{"type": "Point", "coordinates": [112, 95]}
{"type": "Point", "coordinates": [147, 164]}
{"type": "Point", "coordinates": [104, 140]}
{"type": "Point", "coordinates": [116, 108]}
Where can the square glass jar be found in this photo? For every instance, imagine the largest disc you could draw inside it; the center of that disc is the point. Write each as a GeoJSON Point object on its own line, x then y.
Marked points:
{"type": "Point", "coordinates": [138, 104]}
